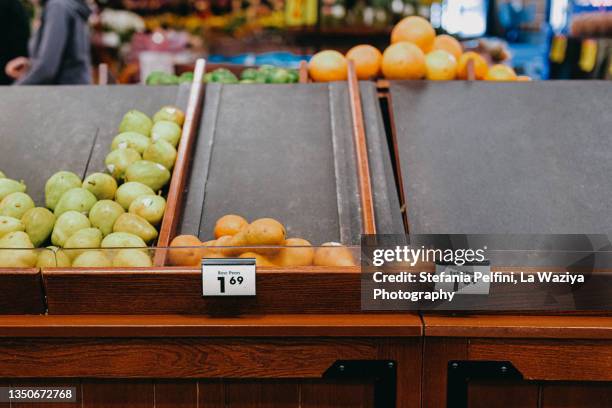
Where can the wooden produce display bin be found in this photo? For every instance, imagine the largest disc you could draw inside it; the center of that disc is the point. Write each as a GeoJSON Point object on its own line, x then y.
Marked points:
{"type": "Point", "coordinates": [46, 130]}
{"type": "Point", "coordinates": [508, 158]}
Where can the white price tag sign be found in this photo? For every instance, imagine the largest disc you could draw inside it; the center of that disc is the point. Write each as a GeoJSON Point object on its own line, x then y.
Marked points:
{"type": "Point", "coordinates": [228, 277]}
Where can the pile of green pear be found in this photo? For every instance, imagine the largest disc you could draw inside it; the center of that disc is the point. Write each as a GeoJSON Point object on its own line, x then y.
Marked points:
{"type": "Point", "coordinates": [106, 220]}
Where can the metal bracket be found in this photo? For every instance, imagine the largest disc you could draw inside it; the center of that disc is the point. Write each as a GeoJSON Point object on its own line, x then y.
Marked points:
{"type": "Point", "coordinates": [382, 372]}
{"type": "Point", "coordinates": [460, 372]}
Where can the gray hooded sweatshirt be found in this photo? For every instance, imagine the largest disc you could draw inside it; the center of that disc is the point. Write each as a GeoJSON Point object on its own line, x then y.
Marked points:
{"type": "Point", "coordinates": [60, 51]}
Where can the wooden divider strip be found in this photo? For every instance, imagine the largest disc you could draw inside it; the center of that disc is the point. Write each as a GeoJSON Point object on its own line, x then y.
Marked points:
{"type": "Point", "coordinates": [361, 149]}
{"type": "Point", "coordinates": [303, 71]}
{"type": "Point", "coordinates": [181, 167]}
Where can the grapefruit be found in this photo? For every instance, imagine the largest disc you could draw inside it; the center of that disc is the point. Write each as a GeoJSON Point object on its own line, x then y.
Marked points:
{"type": "Point", "coordinates": [480, 65]}
{"type": "Point", "coordinates": [367, 60]}
{"type": "Point", "coordinates": [414, 29]}
{"type": "Point", "coordinates": [448, 43]}
{"type": "Point", "coordinates": [328, 66]}
{"type": "Point", "coordinates": [500, 72]}
{"type": "Point", "coordinates": [403, 60]}
{"type": "Point", "coordinates": [441, 66]}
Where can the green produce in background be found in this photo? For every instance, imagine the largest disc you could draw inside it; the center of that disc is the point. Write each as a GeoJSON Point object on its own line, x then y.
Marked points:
{"type": "Point", "coordinates": [132, 140]}
{"type": "Point", "coordinates": [163, 78]}
{"type": "Point", "coordinates": [149, 207]}
{"type": "Point", "coordinates": [161, 152]}
{"type": "Point", "coordinates": [10, 224]}
{"type": "Point", "coordinates": [17, 251]}
{"type": "Point", "coordinates": [92, 259]}
{"type": "Point", "coordinates": [101, 185]}
{"type": "Point", "coordinates": [166, 130]}
{"type": "Point", "coordinates": [136, 225]}
{"type": "Point", "coordinates": [171, 114]}
{"type": "Point", "coordinates": [53, 258]}
{"type": "Point", "coordinates": [186, 78]}
{"type": "Point", "coordinates": [119, 160]}
{"type": "Point", "coordinates": [103, 215]}
{"type": "Point", "coordinates": [39, 223]}
{"type": "Point", "coordinates": [132, 258]}
{"type": "Point", "coordinates": [2, 175]}
{"type": "Point", "coordinates": [77, 199]}
{"type": "Point", "coordinates": [128, 192]}
{"type": "Point", "coordinates": [136, 121]}
{"type": "Point", "coordinates": [8, 186]}
{"type": "Point", "coordinates": [87, 238]}
{"type": "Point", "coordinates": [123, 240]}
{"type": "Point", "coordinates": [57, 185]}
{"type": "Point", "coordinates": [16, 205]}
{"type": "Point", "coordinates": [148, 173]}
{"type": "Point", "coordinates": [66, 225]}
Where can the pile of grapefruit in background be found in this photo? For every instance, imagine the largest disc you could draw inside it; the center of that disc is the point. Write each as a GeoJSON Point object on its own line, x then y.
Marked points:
{"type": "Point", "coordinates": [415, 53]}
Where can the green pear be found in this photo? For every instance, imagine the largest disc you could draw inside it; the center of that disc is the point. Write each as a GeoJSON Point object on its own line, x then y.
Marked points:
{"type": "Point", "coordinates": [101, 185]}
{"type": "Point", "coordinates": [67, 224]}
{"type": "Point", "coordinates": [161, 152]}
{"type": "Point", "coordinates": [136, 121]}
{"type": "Point", "coordinates": [131, 140]}
{"type": "Point", "coordinates": [149, 207]}
{"type": "Point", "coordinates": [53, 257]}
{"type": "Point", "coordinates": [128, 192]}
{"type": "Point", "coordinates": [92, 259]}
{"type": "Point", "coordinates": [132, 258]}
{"type": "Point", "coordinates": [136, 225]}
{"type": "Point", "coordinates": [76, 199]}
{"type": "Point", "coordinates": [16, 205]}
{"type": "Point", "coordinates": [171, 114]}
{"type": "Point", "coordinates": [8, 186]}
{"type": "Point", "coordinates": [151, 174]}
{"type": "Point", "coordinates": [119, 160]}
{"type": "Point", "coordinates": [10, 224]}
{"type": "Point", "coordinates": [2, 175]}
{"type": "Point", "coordinates": [166, 130]}
{"type": "Point", "coordinates": [57, 185]}
{"type": "Point", "coordinates": [87, 238]}
{"type": "Point", "coordinates": [104, 214]}
{"type": "Point", "coordinates": [17, 251]}
{"type": "Point", "coordinates": [123, 240]}
{"type": "Point", "coordinates": [38, 224]}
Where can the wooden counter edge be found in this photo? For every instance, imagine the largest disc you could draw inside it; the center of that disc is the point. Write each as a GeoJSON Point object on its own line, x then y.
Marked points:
{"type": "Point", "coordinates": [146, 326]}
{"type": "Point", "coordinates": [519, 326]}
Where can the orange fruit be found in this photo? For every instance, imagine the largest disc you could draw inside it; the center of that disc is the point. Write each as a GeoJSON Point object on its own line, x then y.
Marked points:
{"type": "Point", "coordinates": [524, 78]}
{"type": "Point", "coordinates": [441, 66]}
{"type": "Point", "coordinates": [403, 60]}
{"type": "Point", "coordinates": [367, 60]}
{"type": "Point", "coordinates": [302, 253]}
{"type": "Point", "coordinates": [328, 66]}
{"type": "Point", "coordinates": [229, 225]}
{"type": "Point", "coordinates": [449, 44]}
{"type": "Point", "coordinates": [414, 29]}
{"type": "Point", "coordinates": [333, 254]}
{"type": "Point", "coordinates": [189, 253]}
{"type": "Point", "coordinates": [480, 65]}
{"type": "Point", "coordinates": [260, 260]}
{"type": "Point", "coordinates": [500, 72]}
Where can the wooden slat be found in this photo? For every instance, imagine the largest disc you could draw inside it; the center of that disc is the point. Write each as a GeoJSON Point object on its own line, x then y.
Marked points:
{"type": "Point", "coordinates": [305, 325]}
{"type": "Point", "coordinates": [592, 395]}
{"type": "Point", "coordinates": [211, 394]}
{"type": "Point", "coordinates": [408, 355]}
{"type": "Point", "coordinates": [262, 394]}
{"type": "Point", "coordinates": [488, 394]}
{"type": "Point", "coordinates": [550, 360]}
{"type": "Point", "coordinates": [176, 394]}
{"type": "Point", "coordinates": [177, 358]}
{"type": "Point", "coordinates": [181, 167]}
{"type": "Point", "coordinates": [437, 353]}
{"type": "Point", "coordinates": [337, 394]}
{"type": "Point", "coordinates": [178, 290]}
{"type": "Point", "coordinates": [361, 150]}
{"type": "Point", "coordinates": [303, 71]}
{"type": "Point", "coordinates": [118, 394]}
{"type": "Point", "coordinates": [21, 292]}
{"type": "Point", "coordinates": [567, 327]}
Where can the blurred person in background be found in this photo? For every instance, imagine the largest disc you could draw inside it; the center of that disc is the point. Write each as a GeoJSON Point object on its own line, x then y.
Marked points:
{"type": "Point", "coordinates": [14, 34]}
{"type": "Point", "coordinates": [60, 51]}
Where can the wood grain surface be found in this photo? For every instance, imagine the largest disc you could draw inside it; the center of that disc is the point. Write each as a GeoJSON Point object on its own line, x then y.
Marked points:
{"type": "Point", "coordinates": [437, 352]}
{"type": "Point", "coordinates": [21, 292]}
{"type": "Point", "coordinates": [147, 326]}
{"type": "Point", "coordinates": [486, 394]}
{"type": "Point", "coordinates": [568, 395]}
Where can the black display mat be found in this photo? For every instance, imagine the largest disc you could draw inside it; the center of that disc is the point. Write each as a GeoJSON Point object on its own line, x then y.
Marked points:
{"type": "Point", "coordinates": [45, 129]}
{"type": "Point", "coordinates": [281, 151]}
{"type": "Point", "coordinates": [482, 157]}
{"type": "Point", "coordinates": [386, 200]}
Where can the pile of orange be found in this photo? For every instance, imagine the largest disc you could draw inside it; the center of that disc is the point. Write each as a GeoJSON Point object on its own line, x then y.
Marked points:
{"type": "Point", "coordinates": [415, 53]}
